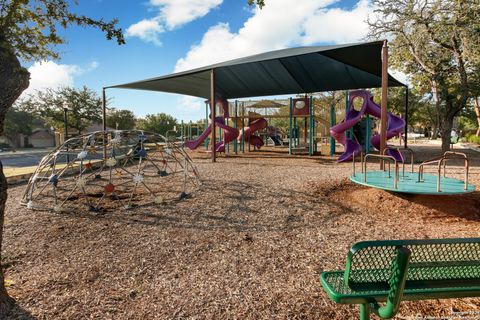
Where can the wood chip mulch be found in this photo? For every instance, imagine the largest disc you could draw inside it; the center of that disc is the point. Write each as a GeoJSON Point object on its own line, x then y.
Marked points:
{"type": "Point", "coordinates": [250, 244]}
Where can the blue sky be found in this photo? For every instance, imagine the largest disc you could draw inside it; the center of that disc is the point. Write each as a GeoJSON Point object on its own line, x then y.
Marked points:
{"type": "Point", "coordinates": [164, 36]}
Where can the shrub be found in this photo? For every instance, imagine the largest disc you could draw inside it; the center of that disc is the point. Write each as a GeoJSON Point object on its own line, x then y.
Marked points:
{"type": "Point", "coordinates": [473, 139]}
{"type": "Point", "coordinates": [4, 145]}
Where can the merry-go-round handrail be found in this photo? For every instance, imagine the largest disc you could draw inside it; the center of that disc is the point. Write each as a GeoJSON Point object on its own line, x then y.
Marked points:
{"type": "Point", "coordinates": [383, 158]}
{"type": "Point", "coordinates": [400, 149]}
{"type": "Point", "coordinates": [441, 161]}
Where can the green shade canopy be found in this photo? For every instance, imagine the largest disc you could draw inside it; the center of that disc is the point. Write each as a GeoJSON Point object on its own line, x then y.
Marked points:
{"type": "Point", "coordinates": [287, 71]}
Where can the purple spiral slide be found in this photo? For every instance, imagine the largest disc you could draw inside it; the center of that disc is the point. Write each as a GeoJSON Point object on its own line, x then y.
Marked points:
{"type": "Point", "coordinates": [229, 135]}
{"type": "Point", "coordinates": [255, 125]}
{"type": "Point", "coordinates": [395, 126]}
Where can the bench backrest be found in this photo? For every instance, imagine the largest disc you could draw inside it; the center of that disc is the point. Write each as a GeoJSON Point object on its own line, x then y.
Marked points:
{"type": "Point", "coordinates": [433, 263]}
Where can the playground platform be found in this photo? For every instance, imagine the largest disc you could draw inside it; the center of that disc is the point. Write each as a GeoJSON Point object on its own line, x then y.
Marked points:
{"type": "Point", "coordinates": [408, 183]}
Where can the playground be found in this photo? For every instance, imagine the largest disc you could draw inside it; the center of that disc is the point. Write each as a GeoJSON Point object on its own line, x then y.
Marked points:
{"type": "Point", "coordinates": [250, 215]}
{"type": "Point", "coordinates": [250, 244]}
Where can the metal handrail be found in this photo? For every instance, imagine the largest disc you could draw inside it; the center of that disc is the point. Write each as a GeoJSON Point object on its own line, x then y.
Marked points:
{"type": "Point", "coordinates": [441, 161]}
{"type": "Point", "coordinates": [383, 158]}
{"type": "Point", "coordinates": [353, 162]}
{"type": "Point", "coordinates": [466, 165]}
{"type": "Point", "coordinates": [399, 149]}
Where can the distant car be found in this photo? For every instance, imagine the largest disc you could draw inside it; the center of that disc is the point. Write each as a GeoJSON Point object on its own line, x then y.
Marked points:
{"type": "Point", "coordinates": [416, 135]}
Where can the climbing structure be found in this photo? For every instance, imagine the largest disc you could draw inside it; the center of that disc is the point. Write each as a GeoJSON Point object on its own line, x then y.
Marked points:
{"type": "Point", "coordinates": [395, 126]}
{"type": "Point", "coordinates": [103, 171]}
{"type": "Point", "coordinates": [229, 133]}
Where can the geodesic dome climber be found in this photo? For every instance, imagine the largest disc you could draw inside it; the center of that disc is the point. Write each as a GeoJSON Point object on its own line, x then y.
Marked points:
{"type": "Point", "coordinates": [104, 171]}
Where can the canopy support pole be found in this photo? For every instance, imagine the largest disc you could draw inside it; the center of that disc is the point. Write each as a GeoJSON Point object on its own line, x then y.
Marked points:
{"type": "Point", "coordinates": [213, 113]}
{"type": "Point", "coordinates": [243, 127]}
{"type": "Point", "coordinates": [348, 133]}
{"type": "Point", "coordinates": [104, 122]}
{"type": "Point", "coordinates": [235, 122]}
{"type": "Point", "coordinates": [383, 125]}
{"type": "Point", "coordinates": [290, 123]}
{"type": "Point", "coordinates": [333, 120]}
{"type": "Point", "coordinates": [405, 136]}
{"type": "Point", "coordinates": [206, 124]}
{"type": "Point", "coordinates": [310, 132]}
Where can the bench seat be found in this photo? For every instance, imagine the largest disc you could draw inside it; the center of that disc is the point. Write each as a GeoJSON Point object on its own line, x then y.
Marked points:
{"type": "Point", "coordinates": [392, 271]}
{"type": "Point", "coordinates": [334, 284]}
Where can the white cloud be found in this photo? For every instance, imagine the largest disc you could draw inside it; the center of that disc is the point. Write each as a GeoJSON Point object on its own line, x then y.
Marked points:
{"type": "Point", "coordinates": [307, 22]}
{"type": "Point", "coordinates": [176, 13]}
{"type": "Point", "coordinates": [190, 103]}
{"type": "Point", "coordinates": [338, 25]}
{"type": "Point", "coordinates": [280, 24]}
{"type": "Point", "coordinates": [48, 74]}
{"type": "Point", "coordinates": [93, 65]}
{"type": "Point", "coordinates": [147, 30]}
{"type": "Point", "coordinates": [172, 14]}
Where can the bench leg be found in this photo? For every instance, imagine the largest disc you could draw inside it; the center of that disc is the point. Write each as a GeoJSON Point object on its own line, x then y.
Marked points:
{"type": "Point", "coordinates": [364, 311]}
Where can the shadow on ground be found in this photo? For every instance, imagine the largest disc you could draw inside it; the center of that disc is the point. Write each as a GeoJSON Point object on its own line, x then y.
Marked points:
{"type": "Point", "coordinates": [18, 313]}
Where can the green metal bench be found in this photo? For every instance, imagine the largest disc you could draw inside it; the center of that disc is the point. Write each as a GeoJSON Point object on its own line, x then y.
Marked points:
{"type": "Point", "coordinates": [403, 270]}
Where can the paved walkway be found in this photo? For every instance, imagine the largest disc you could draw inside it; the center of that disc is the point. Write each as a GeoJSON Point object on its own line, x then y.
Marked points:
{"type": "Point", "coordinates": [26, 151]}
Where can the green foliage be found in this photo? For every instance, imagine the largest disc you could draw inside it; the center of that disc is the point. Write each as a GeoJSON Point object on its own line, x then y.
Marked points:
{"type": "Point", "coordinates": [31, 27]}
{"type": "Point", "coordinates": [466, 123]}
{"type": "Point", "coordinates": [83, 107]}
{"type": "Point", "coordinates": [472, 138]}
{"type": "Point", "coordinates": [436, 42]}
{"type": "Point", "coordinates": [421, 112]}
{"type": "Point", "coordinates": [120, 119]}
{"type": "Point", "coordinates": [158, 123]}
{"type": "Point", "coordinates": [260, 3]}
{"type": "Point", "coordinates": [467, 120]}
{"type": "Point", "coordinates": [17, 122]}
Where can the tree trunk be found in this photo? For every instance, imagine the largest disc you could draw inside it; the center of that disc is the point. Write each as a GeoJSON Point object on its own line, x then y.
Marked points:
{"type": "Point", "coordinates": [476, 107]}
{"type": "Point", "coordinates": [14, 79]}
{"type": "Point", "coordinates": [446, 133]}
{"type": "Point", "coordinates": [6, 301]}
{"type": "Point", "coordinates": [436, 117]}
{"type": "Point", "coordinates": [434, 132]}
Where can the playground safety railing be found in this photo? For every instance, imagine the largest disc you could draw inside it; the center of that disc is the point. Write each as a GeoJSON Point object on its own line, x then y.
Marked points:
{"type": "Point", "coordinates": [382, 158]}
{"type": "Point", "coordinates": [441, 161]}
{"type": "Point", "coordinates": [353, 162]}
{"type": "Point", "coordinates": [410, 152]}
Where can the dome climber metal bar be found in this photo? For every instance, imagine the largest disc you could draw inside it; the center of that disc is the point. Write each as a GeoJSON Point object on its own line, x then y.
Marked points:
{"type": "Point", "coordinates": [139, 168]}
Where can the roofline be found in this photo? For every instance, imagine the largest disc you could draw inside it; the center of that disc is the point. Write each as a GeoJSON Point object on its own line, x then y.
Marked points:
{"type": "Point", "coordinates": [237, 61]}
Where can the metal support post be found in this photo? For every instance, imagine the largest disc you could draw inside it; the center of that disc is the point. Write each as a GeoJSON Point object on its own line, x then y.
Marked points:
{"type": "Point", "coordinates": [214, 111]}
{"type": "Point", "coordinates": [333, 120]}
{"type": "Point", "coordinates": [235, 142]}
{"type": "Point", "coordinates": [290, 123]}
{"type": "Point", "coordinates": [206, 124]}
{"type": "Point", "coordinates": [383, 125]}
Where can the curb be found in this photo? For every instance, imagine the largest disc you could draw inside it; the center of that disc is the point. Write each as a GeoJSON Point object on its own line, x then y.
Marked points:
{"type": "Point", "coordinates": [19, 178]}
{"type": "Point", "coordinates": [470, 146]}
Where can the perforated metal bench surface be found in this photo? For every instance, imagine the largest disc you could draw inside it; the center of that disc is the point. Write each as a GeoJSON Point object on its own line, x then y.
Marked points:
{"type": "Point", "coordinates": [433, 269]}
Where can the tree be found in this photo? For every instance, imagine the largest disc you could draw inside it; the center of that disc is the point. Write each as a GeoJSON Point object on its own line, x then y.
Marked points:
{"type": "Point", "coordinates": [83, 107]}
{"type": "Point", "coordinates": [28, 31]}
{"type": "Point", "coordinates": [120, 119]}
{"type": "Point", "coordinates": [17, 122]}
{"type": "Point", "coordinates": [466, 120]}
{"type": "Point", "coordinates": [476, 94]}
{"type": "Point", "coordinates": [159, 123]}
{"type": "Point", "coordinates": [420, 110]}
{"type": "Point", "coordinates": [476, 106]}
{"type": "Point", "coordinates": [436, 42]}
{"type": "Point", "coordinates": [260, 3]}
